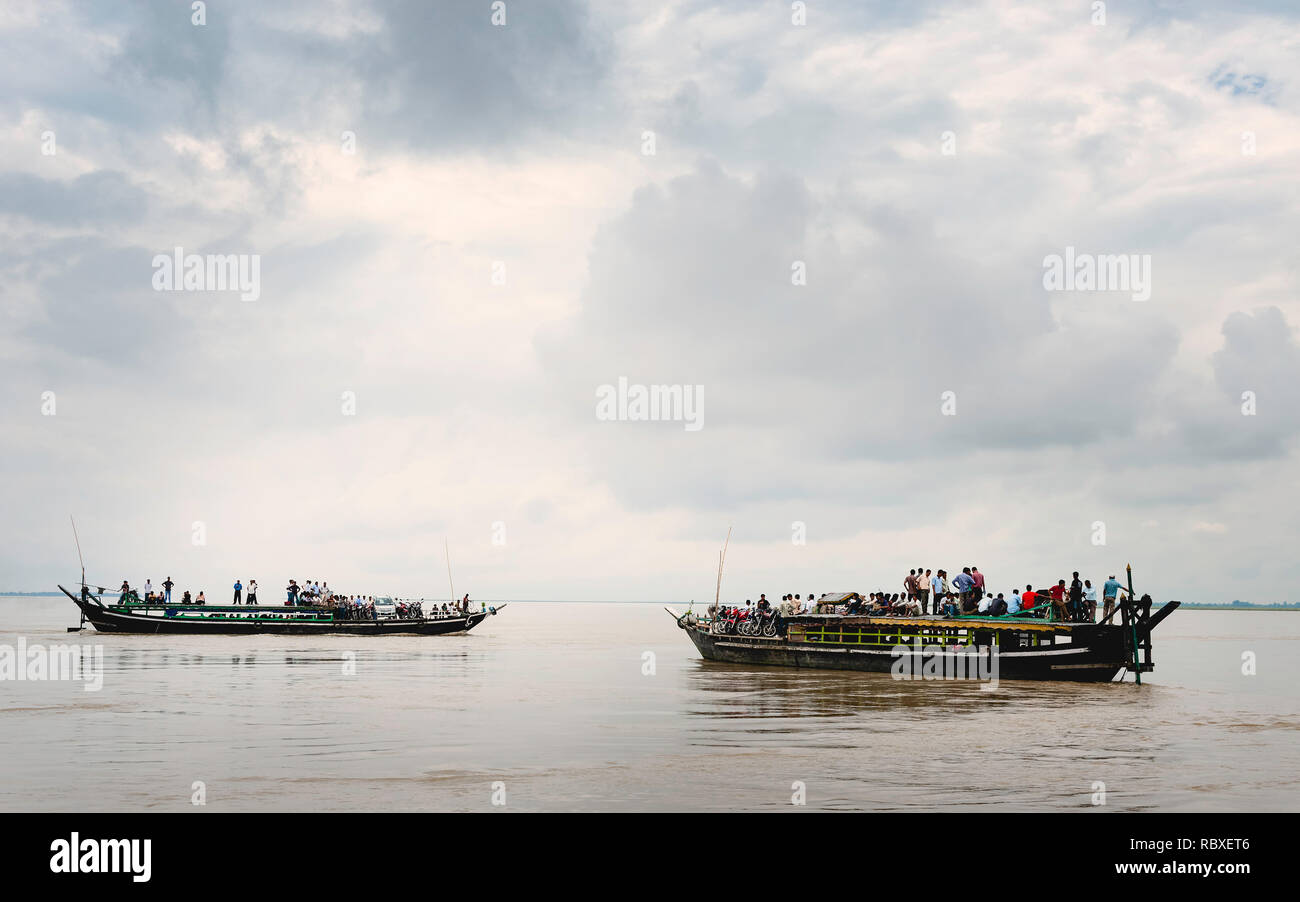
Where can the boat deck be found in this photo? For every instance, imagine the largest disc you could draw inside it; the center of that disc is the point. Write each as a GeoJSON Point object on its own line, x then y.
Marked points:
{"type": "Point", "coordinates": [1019, 624]}
{"type": "Point", "coordinates": [298, 612]}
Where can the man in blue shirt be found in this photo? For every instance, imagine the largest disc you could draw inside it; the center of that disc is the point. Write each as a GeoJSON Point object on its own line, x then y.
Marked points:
{"type": "Point", "coordinates": [1013, 603]}
{"type": "Point", "coordinates": [239, 590]}
{"type": "Point", "coordinates": [964, 583]}
{"type": "Point", "coordinates": [1109, 590]}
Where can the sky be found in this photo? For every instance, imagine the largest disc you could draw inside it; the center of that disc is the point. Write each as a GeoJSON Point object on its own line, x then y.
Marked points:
{"type": "Point", "coordinates": [829, 225]}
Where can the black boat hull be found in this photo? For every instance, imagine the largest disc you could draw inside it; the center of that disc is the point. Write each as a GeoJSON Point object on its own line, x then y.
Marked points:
{"type": "Point", "coordinates": [1083, 664]}
{"type": "Point", "coordinates": [913, 647]}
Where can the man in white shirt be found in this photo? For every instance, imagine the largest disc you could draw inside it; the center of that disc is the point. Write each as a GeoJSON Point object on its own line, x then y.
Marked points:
{"type": "Point", "coordinates": [984, 604]}
{"type": "Point", "coordinates": [148, 587]}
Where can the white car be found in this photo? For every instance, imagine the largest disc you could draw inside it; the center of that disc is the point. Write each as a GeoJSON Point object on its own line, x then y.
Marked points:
{"type": "Point", "coordinates": [385, 608]}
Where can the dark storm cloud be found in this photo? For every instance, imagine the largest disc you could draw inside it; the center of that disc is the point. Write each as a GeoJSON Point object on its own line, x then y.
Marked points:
{"type": "Point", "coordinates": [1153, 12]}
{"type": "Point", "coordinates": [163, 46]}
{"type": "Point", "coordinates": [96, 198]}
{"type": "Point", "coordinates": [98, 304]}
{"type": "Point", "coordinates": [431, 76]}
{"type": "Point", "coordinates": [443, 76]}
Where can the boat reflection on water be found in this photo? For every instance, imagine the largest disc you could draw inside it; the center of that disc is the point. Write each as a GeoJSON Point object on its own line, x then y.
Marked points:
{"type": "Point", "coordinates": [864, 741]}
{"type": "Point", "coordinates": [739, 690]}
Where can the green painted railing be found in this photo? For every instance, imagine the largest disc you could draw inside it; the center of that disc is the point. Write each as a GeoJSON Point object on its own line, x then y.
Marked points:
{"type": "Point", "coordinates": [833, 634]}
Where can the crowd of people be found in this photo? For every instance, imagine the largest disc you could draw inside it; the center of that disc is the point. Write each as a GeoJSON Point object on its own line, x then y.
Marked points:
{"type": "Point", "coordinates": [928, 592]}
{"type": "Point", "coordinates": [310, 593]}
{"type": "Point", "coordinates": [148, 595]}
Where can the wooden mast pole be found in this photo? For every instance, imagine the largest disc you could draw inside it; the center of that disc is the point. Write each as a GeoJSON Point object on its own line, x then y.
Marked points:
{"type": "Point", "coordinates": [722, 560]}
{"type": "Point", "coordinates": [446, 550]}
{"type": "Point", "coordinates": [77, 539]}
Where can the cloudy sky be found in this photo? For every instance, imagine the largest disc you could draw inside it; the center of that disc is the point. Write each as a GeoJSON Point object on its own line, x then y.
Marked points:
{"type": "Point", "coordinates": [465, 229]}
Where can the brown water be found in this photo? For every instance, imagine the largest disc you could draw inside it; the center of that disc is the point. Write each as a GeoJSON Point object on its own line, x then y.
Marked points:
{"type": "Point", "coordinates": [551, 700]}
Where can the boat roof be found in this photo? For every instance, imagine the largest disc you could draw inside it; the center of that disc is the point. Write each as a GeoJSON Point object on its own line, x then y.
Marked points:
{"type": "Point", "coordinates": [837, 597]}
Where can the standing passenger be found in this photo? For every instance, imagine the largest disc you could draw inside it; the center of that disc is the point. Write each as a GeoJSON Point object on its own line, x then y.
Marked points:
{"type": "Point", "coordinates": [1109, 590]}
{"type": "Point", "coordinates": [1058, 599]}
{"type": "Point", "coordinates": [965, 584]}
{"type": "Point", "coordinates": [239, 591]}
{"type": "Point", "coordinates": [1076, 598]}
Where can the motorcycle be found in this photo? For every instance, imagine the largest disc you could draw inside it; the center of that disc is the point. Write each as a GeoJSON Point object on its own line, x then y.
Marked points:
{"type": "Point", "coordinates": [726, 622]}
{"type": "Point", "coordinates": [747, 622]}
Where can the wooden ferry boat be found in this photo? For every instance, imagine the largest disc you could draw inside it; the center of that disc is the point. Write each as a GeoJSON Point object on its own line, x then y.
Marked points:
{"type": "Point", "coordinates": [935, 647]}
{"type": "Point", "coordinates": [247, 620]}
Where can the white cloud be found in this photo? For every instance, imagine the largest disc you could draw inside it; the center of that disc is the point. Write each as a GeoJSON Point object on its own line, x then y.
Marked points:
{"type": "Point", "coordinates": [521, 146]}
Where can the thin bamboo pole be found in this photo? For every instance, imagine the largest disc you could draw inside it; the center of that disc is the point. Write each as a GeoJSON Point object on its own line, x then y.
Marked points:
{"type": "Point", "coordinates": [446, 550]}
{"type": "Point", "coordinates": [722, 560]}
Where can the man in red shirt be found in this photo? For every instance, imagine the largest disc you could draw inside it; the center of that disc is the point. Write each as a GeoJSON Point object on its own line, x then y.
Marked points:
{"type": "Point", "coordinates": [1058, 600]}
{"type": "Point", "coordinates": [1028, 599]}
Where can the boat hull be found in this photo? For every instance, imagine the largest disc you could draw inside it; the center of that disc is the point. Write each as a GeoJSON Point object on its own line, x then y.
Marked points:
{"type": "Point", "coordinates": [1093, 654]}
{"type": "Point", "coordinates": [1076, 665]}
